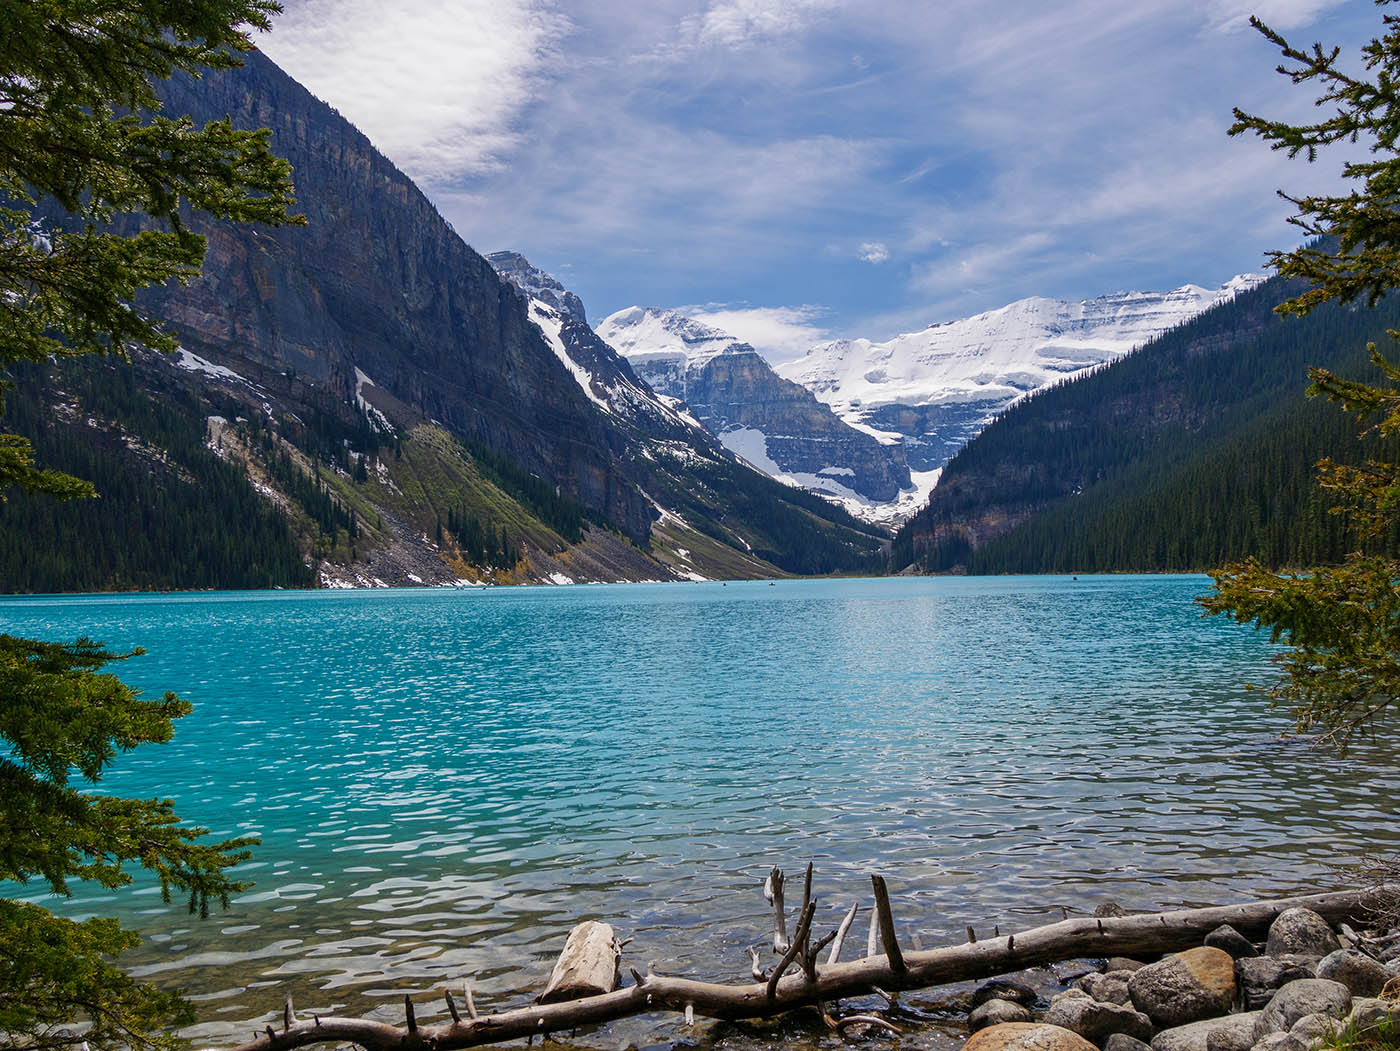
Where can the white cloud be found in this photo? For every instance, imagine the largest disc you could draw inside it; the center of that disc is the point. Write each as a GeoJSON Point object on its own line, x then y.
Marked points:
{"type": "Point", "coordinates": [873, 252]}
{"type": "Point", "coordinates": [734, 23]}
{"type": "Point", "coordinates": [439, 88]}
{"type": "Point", "coordinates": [778, 333]}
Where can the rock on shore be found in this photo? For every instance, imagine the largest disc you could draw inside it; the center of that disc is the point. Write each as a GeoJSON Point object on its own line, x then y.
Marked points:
{"type": "Point", "coordinates": [1289, 994]}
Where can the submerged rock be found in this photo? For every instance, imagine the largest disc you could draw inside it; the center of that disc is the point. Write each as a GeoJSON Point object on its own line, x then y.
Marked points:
{"type": "Point", "coordinates": [1005, 989]}
{"type": "Point", "coordinates": [995, 1012]}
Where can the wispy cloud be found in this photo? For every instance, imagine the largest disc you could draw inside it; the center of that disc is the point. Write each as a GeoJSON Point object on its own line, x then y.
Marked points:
{"type": "Point", "coordinates": [740, 22]}
{"type": "Point", "coordinates": [440, 88]}
{"type": "Point", "coordinates": [1277, 14]}
{"type": "Point", "coordinates": [778, 333]}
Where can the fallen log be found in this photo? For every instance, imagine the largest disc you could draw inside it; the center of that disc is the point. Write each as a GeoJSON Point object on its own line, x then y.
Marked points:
{"type": "Point", "coordinates": [813, 985]}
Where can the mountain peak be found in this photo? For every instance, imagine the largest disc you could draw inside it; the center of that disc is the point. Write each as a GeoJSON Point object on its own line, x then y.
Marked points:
{"type": "Point", "coordinates": [536, 284]}
{"type": "Point", "coordinates": [655, 334]}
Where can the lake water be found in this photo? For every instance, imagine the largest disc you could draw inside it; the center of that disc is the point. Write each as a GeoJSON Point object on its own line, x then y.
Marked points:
{"type": "Point", "coordinates": [445, 782]}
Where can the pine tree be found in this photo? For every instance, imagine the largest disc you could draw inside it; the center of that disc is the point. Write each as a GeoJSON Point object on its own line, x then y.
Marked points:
{"type": "Point", "coordinates": [82, 142]}
{"type": "Point", "coordinates": [1341, 623]}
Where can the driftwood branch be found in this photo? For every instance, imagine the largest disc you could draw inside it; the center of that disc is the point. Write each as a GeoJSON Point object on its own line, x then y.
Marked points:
{"type": "Point", "coordinates": [841, 933]}
{"type": "Point", "coordinates": [1068, 939]}
{"type": "Point", "coordinates": [773, 891]}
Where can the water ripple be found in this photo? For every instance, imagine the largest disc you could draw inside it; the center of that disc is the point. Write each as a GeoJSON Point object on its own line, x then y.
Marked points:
{"type": "Point", "coordinates": [446, 782]}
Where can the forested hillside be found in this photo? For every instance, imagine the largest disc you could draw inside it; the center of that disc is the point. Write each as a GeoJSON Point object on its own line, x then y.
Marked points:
{"type": "Point", "coordinates": [1197, 449]}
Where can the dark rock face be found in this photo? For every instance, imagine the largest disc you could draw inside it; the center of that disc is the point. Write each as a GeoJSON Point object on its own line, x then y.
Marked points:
{"type": "Point", "coordinates": [379, 282]}
{"type": "Point", "coordinates": [934, 433]}
{"type": "Point", "coordinates": [740, 389]}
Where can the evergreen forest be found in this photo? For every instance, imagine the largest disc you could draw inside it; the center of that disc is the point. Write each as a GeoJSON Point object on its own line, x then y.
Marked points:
{"type": "Point", "coordinates": [1198, 449]}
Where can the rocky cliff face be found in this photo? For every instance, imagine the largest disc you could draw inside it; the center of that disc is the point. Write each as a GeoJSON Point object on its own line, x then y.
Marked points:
{"type": "Point", "coordinates": [775, 424]}
{"type": "Point", "coordinates": [377, 281]}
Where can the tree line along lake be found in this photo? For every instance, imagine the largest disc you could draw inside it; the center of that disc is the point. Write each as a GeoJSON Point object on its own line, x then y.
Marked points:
{"type": "Point", "coordinates": [446, 781]}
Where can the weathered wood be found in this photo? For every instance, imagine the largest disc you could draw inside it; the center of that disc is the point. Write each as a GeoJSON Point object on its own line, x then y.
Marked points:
{"type": "Point", "coordinates": [1068, 939]}
{"type": "Point", "coordinates": [887, 934]}
{"type": "Point", "coordinates": [841, 933]}
{"type": "Point", "coordinates": [773, 891]}
{"type": "Point", "coordinates": [590, 965]}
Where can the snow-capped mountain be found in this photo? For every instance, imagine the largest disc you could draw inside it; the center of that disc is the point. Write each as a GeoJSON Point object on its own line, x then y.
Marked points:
{"type": "Point", "coordinates": [606, 379]}
{"type": "Point", "coordinates": [935, 389]}
{"type": "Point", "coordinates": [773, 423]}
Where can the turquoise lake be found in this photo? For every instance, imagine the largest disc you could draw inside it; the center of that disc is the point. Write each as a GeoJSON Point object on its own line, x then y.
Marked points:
{"type": "Point", "coordinates": [446, 781]}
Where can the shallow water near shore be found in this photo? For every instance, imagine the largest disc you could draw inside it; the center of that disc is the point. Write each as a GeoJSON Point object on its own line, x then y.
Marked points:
{"type": "Point", "coordinates": [445, 782]}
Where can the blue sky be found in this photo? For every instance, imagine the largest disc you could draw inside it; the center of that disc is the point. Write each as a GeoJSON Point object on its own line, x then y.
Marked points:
{"type": "Point", "coordinates": [802, 169]}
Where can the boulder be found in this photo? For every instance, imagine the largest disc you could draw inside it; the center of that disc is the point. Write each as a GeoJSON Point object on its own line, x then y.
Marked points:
{"type": "Point", "coordinates": [1354, 969]}
{"type": "Point", "coordinates": [1122, 963]}
{"type": "Point", "coordinates": [1005, 989]}
{"type": "Point", "coordinates": [1315, 1027]}
{"type": "Point", "coordinates": [995, 1012]}
{"type": "Point", "coordinates": [1303, 997]}
{"type": "Point", "coordinates": [1235, 1033]}
{"type": "Point", "coordinates": [1259, 977]}
{"type": "Point", "coordinates": [1302, 932]}
{"type": "Point", "coordinates": [1279, 1042]}
{"type": "Point", "coordinates": [1368, 1011]}
{"type": "Point", "coordinates": [1124, 1042]}
{"type": "Point", "coordinates": [1106, 988]}
{"type": "Point", "coordinates": [1026, 1036]}
{"type": "Point", "coordinates": [1185, 986]}
{"type": "Point", "coordinates": [1232, 941]}
{"type": "Point", "coordinates": [1193, 1036]}
{"type": "Point", "coordinates": [1094, 1021]}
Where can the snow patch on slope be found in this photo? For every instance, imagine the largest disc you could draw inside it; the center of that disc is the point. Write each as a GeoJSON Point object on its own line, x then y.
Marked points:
{"type": "Point", "coordinates": [551, 323]}
{"type": "Point", "coordinates": [377, 419]}
{"type": "Point", "coordinates": [192, 362]}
